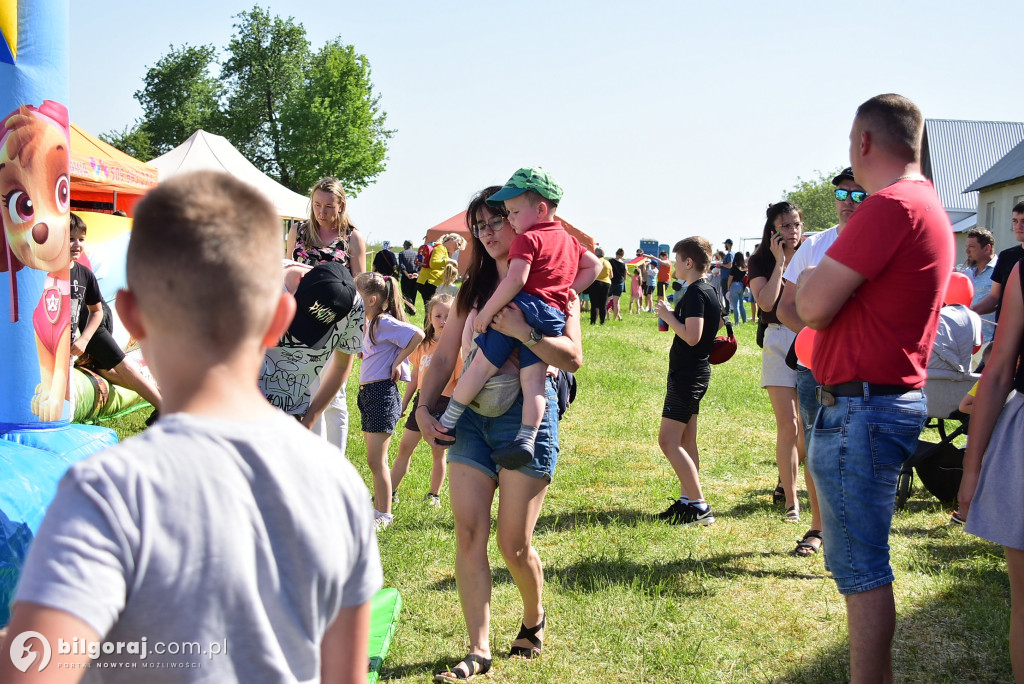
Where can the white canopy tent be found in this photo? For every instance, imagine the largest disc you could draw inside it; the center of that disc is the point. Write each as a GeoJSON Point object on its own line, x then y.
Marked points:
{"type": "Point", "coordinates": [205, 151]}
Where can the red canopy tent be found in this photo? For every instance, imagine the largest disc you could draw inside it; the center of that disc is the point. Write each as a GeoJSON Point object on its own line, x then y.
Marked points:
{"type": "Point", "coordinates": [457, 224]}
{"type": "Point", "coordinates": [102, 173]}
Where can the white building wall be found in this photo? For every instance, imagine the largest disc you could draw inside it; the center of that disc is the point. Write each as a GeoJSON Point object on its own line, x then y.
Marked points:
{"type": "Point", "coordinates": [1003, 198]}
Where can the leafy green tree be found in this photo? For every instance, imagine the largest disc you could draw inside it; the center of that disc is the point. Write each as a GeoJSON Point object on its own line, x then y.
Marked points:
{"type": "Point", "coordinates": [333, 125]}
{"type": "Point", "coordinates": [180, 96]}
{"type": "Point", "coordinates": [268, 56]}
{"type": "Point", "coordinates": [132, 140]}
{"type": "Point", "coordinates": [816, 200]}
{"type": "Point", "coordinates": [296, 115]}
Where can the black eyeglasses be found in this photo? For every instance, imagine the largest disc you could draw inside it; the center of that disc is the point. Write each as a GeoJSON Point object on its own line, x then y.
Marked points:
{"type": "Point", "coordinates": [495, 224]}
{"type": "Point", "coordinates": [857, 196]}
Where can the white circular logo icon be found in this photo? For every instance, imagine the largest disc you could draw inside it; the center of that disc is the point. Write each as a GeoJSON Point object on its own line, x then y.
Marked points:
{"type": "Point", "coordinates": [23, 657]}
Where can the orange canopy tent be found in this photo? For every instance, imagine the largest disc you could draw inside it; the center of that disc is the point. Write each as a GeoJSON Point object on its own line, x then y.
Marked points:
{"type": "Point", "coordinates": [102, 173]}
{"type": "Point", "coordinates": [457, 224]}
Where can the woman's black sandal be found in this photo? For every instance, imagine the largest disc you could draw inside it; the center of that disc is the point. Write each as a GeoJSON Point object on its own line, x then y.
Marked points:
{"type": "Point", "coordinates": [779, 495]}
{"type": "Point", "coordinates": [469, 667]}
{"type": "Point", "coordinates": [805, 547]}
{"type": "Point", "coordinates": [530, 634]}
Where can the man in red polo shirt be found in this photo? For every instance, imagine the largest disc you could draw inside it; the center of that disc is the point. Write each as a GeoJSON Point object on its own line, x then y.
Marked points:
{"type": "Point", "coordinates": [875, 298]}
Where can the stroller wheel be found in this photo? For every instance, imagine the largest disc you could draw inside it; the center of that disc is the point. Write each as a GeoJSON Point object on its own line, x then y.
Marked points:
{"type": "Point", "coordinates": [904, 485]}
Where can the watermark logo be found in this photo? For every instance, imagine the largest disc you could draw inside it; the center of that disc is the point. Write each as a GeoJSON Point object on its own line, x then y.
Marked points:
{"type": "Point", "coordinates": [23, 657]}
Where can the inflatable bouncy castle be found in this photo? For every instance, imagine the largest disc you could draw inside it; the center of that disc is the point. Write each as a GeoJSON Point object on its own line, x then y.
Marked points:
{"type": "Point", "coordinates": [37, 440]}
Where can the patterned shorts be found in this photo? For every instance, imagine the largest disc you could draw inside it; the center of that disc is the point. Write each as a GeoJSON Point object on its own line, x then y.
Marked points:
{"type": "Point", "coordinates": [380, 406]}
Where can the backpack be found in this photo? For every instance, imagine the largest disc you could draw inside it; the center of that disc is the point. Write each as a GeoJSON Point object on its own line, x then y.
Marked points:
{"type": "Point", "coordinates": [423, 255]}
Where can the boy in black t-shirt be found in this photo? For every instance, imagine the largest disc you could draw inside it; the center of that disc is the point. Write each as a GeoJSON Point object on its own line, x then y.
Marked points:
{"type": "Point", "coordinates": [92, 343]}
{"type": "Point", "coordinates": [695, 322]}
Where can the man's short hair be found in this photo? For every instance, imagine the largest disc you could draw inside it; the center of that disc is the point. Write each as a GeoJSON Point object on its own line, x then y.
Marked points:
{"type": "Point", "coordinates": [205, 257]}
{"type": "Point", "coordinates": [896, 124]}
{"type": "Point", "coordinates": [983, 236]}
{"type": "Point", "coordinates": [1018, 208]}
{"type": "Point", "coordinates": [77, 224]}
{"type": "Point", "coordinates": [696, 248]}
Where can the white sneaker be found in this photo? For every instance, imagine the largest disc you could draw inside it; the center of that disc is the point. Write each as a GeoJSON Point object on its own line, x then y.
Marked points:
{"type": "Point", "coordinates": [394, 497]}
{"type": "Point", "coordinates": [381, 521]}
{"type": "Point", "coordinates": [433, 500]}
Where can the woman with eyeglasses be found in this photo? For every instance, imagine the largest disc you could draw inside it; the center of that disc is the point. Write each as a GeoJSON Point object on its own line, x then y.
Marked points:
{"type": "Point", "coordinates": [783, 229]}
{"type": "Point", "coordinates": [473, 476]}
{"type": "Point", "coordinates": [329, 236]}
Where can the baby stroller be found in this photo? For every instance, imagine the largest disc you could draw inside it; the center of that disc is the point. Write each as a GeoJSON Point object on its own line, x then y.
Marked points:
{"type": "Point", "coordinates": [940, 465]}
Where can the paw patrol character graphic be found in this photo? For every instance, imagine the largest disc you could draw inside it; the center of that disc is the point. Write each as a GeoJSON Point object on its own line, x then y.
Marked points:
{"type": "Point", "coordinates": [35, 193]}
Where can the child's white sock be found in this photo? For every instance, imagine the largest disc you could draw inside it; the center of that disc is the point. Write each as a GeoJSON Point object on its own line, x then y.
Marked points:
{"type": "Point", "coordinates": [527, 432]}
{"type": "Point", "coordinates": [452, 414]}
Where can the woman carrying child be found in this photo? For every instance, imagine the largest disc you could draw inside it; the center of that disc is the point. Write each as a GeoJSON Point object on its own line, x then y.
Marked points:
{"type": "Point", "coordinates": [474, 477]}
{"type": "Point", "coordinates": [387, 343]}
{"type": "Point", "coordinates": [438, 309]}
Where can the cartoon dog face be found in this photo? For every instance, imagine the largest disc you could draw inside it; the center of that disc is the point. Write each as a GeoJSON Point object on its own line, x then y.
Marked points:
{"type": "Point", "coordinates": [35, 190]}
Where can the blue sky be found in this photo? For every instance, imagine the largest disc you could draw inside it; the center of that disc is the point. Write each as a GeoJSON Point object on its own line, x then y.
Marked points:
{"type": "Point", "coordinates": [660, 119]}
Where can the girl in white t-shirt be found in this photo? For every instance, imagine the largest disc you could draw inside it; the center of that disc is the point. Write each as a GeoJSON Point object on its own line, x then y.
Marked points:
{"type": "Point", "coordinates": [436, 317]}
{"type": "Point", "coordinates": [387, 343]}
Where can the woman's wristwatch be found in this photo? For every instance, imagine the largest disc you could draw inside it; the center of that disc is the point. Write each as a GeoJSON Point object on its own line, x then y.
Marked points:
{"type": "Point", "coordinates": [535, 337]}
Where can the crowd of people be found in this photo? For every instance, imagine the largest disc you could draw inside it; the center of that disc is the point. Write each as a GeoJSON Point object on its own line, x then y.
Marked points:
{"type": "Point", "coordinates": [484, 379]}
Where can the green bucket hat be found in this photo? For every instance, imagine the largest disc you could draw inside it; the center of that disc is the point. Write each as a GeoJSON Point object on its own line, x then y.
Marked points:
{"type": "Point", "coordinates": [536, 179]}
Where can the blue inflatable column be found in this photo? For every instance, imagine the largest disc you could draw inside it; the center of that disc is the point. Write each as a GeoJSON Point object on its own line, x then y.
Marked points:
{"type": "Point", "coordinates": [37, 444]}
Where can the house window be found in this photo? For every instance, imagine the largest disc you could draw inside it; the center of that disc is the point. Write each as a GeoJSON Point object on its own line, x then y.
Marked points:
{"type": "Point", "coordinates": [990, 215]}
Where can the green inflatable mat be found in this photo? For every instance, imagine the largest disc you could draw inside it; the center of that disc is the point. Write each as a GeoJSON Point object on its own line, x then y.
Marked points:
{"type": "Point", "coordinates": [384, 609]}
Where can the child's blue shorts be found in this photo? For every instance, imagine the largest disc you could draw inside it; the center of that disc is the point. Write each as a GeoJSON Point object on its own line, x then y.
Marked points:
{"type": "Point", "coordinates": [497, 347]}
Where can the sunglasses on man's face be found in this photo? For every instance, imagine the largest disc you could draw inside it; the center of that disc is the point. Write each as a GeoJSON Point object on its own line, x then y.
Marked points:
{"type": "Point", "coordinates": [857, 196]}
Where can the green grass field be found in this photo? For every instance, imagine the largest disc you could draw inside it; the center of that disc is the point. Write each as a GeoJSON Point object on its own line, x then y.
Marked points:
{"type": "Point", "coordinates": [633, 599]}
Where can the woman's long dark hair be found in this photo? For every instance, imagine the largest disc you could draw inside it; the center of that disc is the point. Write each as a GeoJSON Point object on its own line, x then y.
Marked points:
{"type": "Point", "coordinates": [481, 277]}
{"type": "Point", "coordinates": [763, 254]}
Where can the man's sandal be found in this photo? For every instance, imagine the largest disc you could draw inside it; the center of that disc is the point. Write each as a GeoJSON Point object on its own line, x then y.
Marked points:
{"type": "Point", "coordinates": [530, 634]}
{"type": "Point", "coordinates": [807, 546]}
{"type": "Point", "coordinates": [470, 666]}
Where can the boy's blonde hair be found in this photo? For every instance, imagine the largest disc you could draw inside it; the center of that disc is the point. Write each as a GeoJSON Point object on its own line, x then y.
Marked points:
{"type": "Point", "coordinates": [205, 258]}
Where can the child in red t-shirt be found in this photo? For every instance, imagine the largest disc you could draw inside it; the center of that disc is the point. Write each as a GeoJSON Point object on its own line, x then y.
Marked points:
{"type": "Point", "coordinates": [545, 262]}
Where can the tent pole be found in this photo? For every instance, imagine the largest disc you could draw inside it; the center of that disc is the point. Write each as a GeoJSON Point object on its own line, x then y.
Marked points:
{"type": "Point", "coordinates": [115, 202]}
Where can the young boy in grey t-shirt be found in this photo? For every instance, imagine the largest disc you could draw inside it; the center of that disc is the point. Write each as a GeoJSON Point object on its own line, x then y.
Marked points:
{"type": "Point", "coordinates": [226, 536]}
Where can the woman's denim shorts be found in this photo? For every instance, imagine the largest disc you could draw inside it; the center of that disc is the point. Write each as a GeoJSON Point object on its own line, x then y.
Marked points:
{"type": "Point", "coordinates": [477, 437]}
